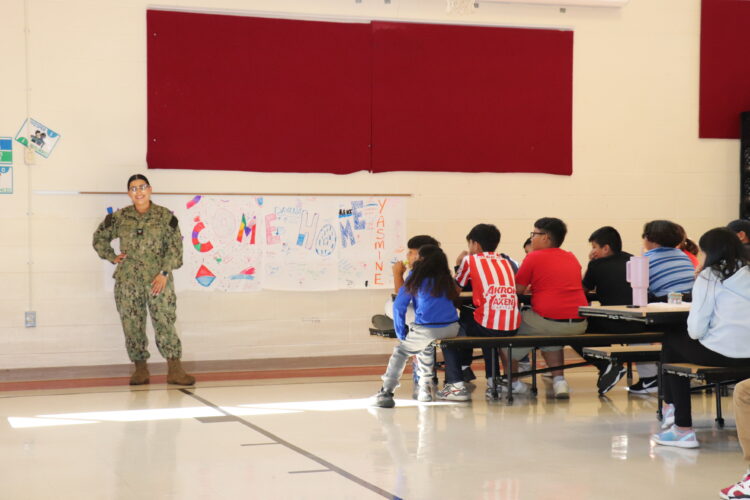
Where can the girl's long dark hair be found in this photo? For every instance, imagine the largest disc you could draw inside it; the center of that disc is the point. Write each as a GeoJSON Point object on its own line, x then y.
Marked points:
{"type": "Point", "coordinates": [725, 253]}
{"type": "Point", "coordinates": [432, 265]}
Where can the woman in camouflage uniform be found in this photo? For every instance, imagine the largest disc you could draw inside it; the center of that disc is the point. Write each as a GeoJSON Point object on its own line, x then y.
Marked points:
{"type": "Point", "coordinates": [151, 247]}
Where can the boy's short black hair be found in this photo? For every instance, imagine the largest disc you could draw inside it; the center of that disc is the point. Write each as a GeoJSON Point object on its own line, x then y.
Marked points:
{"type": "Point", "coordinates": [416, 242]}
{"type": "Point", "coordinates": [527, 242]}
{"type": "Point", "coordinates": [607, 235]}
{"type": "Point", "coordinates": [663, 232]}
{"type": "Point", "coordinates": [555, 229]}
{"type": "Point", "coordinates": [487, 235]}
{"type": "Point", "coordinates": [740, 225]}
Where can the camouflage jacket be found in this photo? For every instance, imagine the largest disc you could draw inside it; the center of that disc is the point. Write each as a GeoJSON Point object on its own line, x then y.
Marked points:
{"type": "Point", "coordinates": [152, 241]}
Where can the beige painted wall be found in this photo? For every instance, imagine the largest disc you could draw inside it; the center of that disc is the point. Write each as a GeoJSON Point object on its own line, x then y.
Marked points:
{"type": "Point", "coordinates": [636, 157]}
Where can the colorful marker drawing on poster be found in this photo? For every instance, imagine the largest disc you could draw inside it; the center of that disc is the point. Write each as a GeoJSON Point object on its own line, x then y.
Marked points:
{"type": "Point", "coordinates": [300, 244]}
{"type": "Point", "coordinates": [219, 248]}
{"type": "Point", "coordinates": [372, 234]}
{"type": "Point", "coordinates": [37, 137]}
{"type": "Point", "coordinates": [204, 276]}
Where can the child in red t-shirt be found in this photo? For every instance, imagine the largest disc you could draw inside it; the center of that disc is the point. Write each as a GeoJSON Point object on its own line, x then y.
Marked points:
{"type": "Point", "coordinates": [553, 276]}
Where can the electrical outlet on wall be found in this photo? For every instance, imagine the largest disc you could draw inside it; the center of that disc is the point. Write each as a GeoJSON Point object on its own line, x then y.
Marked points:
{"type": "Point", "coordinates": [29, 319]}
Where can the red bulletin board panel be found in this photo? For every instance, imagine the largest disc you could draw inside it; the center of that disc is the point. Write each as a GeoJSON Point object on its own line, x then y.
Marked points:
{"type": "Point", "coordinates": [725, 67]}
{"type": "Point", "coordinates": [244, 93]}
{"type": "Point", "coordinates": [472, 99]}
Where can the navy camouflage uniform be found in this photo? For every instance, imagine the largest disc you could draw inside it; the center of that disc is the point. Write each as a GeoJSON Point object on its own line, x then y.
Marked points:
{"type": "Point", "coordinates": [152, 243]}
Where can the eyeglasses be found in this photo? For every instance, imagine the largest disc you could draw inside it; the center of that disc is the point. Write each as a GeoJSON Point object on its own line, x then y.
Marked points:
{"type": "Point", "coordinates": [142, 187]}
{"type": "Point", "coordinates": [534, 233]}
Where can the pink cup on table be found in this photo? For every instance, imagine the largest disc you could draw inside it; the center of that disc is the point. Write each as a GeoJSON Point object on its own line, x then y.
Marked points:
{"type": "Point", "coordinates": [636, 272]}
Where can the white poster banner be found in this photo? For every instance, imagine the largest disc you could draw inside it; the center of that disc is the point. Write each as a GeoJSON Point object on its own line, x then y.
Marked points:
{"type": "Point", "coordinates": [249, 243]}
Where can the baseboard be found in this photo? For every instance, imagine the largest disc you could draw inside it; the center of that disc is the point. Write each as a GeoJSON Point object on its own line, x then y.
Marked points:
{"type": "Point", "coordinates": [280, 366]}
{"type": "Point", "coordinates": [159, 367]}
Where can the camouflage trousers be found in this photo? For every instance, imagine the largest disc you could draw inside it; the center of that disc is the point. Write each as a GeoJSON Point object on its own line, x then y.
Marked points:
{"type": "Point", "coordinates": [133, 298]}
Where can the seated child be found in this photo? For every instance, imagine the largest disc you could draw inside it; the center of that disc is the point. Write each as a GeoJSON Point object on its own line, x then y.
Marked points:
{"type": "Point", "coordinates": [527, 246]}
{"type": "Point", "coordinates": [401, 269]}
{"type": "Point", "coordinates": [689, 248]}
{"type": "Point", "coordinates": [741, 227]}
{"type": "Point", "coordinates": [465, 315]}
{"type": "Point", "coordinates": [669, 270]}
{"type": "Point", "coordinates": [605, 275]}
{"type": "Point", "coordinates": [717, 330]}
{"type": "Point", "coordinates": [491, 276]}
{"type": "Point", "coordinates": [554, 277]}
{"type": "Point", "coordinates": [431, 290]}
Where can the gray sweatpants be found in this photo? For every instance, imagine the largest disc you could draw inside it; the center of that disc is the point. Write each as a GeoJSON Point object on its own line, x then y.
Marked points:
{"type": "Point", "coordinates": [417, 342]}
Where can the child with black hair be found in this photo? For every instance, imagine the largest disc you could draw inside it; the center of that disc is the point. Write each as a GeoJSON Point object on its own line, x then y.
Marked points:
{"type": "Point", "coordinates": [527, 246]}
{"type": "Point", "coordinates": [606, 276]}
{"type": "Point", "coordinates": [431, 289]}
{"type": "Point", "coordinates": [401, 269]}
{"type": "Point", "coordinates": [553, 276]}
{"type": "Point", "coordinates": [492, 278]}
{"type": "Point", "coordinates": [741, 228]}
{"type": "Point", "coordinates": [718, 333]}
{"type": "Point", "coordinates": [400, 272]}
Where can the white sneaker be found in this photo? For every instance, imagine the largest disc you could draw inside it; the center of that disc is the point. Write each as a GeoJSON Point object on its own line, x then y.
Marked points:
{"type": "Point", "coordinates": [674, 437]}
{"type": "Point", "coordinates": [561, 389]}
{"type": "Point", "coordinates": [739, 490]}
{"type": "Point", "coordinates": [518, 387]}
{"type": "Point", "coordinates": [425, 393]}
{"type": "Point", "coordinates": [452, 393]}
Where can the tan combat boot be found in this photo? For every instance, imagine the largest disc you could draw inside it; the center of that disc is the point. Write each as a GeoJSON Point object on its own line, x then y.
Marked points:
{"type": "Point", "coordinates": [176, 375]}
{"type": "Point", "coordinates": [140, 375]}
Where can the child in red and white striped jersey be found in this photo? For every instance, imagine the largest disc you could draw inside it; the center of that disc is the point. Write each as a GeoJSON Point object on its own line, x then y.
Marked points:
{"type": "Point", "coordinates": [496, 314]}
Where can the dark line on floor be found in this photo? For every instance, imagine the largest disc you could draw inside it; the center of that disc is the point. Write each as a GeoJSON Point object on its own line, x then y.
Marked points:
{"type": "Point", "coordinates": [309, 471]}
{"type": "Point", "coordinates": [257, 444]}
{"type": "Point", "coordinates": [129, 390]}
{"type": "Point", "coordinates": [214, 420]}
{"type": "Point", "coordinates": [287, 444]}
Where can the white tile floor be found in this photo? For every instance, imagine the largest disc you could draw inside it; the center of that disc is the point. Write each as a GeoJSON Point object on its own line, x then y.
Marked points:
{"type": "Point", "coordinates": [317, 439]}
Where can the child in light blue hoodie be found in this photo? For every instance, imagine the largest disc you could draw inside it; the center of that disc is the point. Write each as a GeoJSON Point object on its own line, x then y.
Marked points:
{"type": "Point", "coordinates": [718, 330]}
{"type": "Point", "coordinates": [432, 290]}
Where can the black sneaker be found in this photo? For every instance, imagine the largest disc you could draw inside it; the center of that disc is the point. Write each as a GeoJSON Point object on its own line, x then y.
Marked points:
{"type": "Point", "coordinates": [609, 377]}
{"type": "Point", "coordinates": [382, 322]}
{"type": "Point", "coordinates": [468, 374]}
{"type": "Point", "coordinates": [384, 399]}
{"type": "Point", "coordinates": [647, 385]}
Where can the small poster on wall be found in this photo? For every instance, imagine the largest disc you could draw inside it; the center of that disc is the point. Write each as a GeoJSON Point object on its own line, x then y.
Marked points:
{"type": "Point", "coordinates": [6, 165]}
{"type": "Point", "coordinates": [41, 139]}
{"type": "Point", "coordinates": [6, 180]}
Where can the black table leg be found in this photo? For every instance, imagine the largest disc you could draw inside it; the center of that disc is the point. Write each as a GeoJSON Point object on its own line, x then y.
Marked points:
{"type": "Point", "coordinates": [495, 377]}
{"type": "Point", "coordinates": [659, 391]}
{"type": "Point", "coordinates": [719, 419]}
{"type": "Point", "coordinates": [434, 371]}
{"type": "Point", "coordinates": [533, 371]}
{"type": "Point", "coordinates": [509, 375]}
